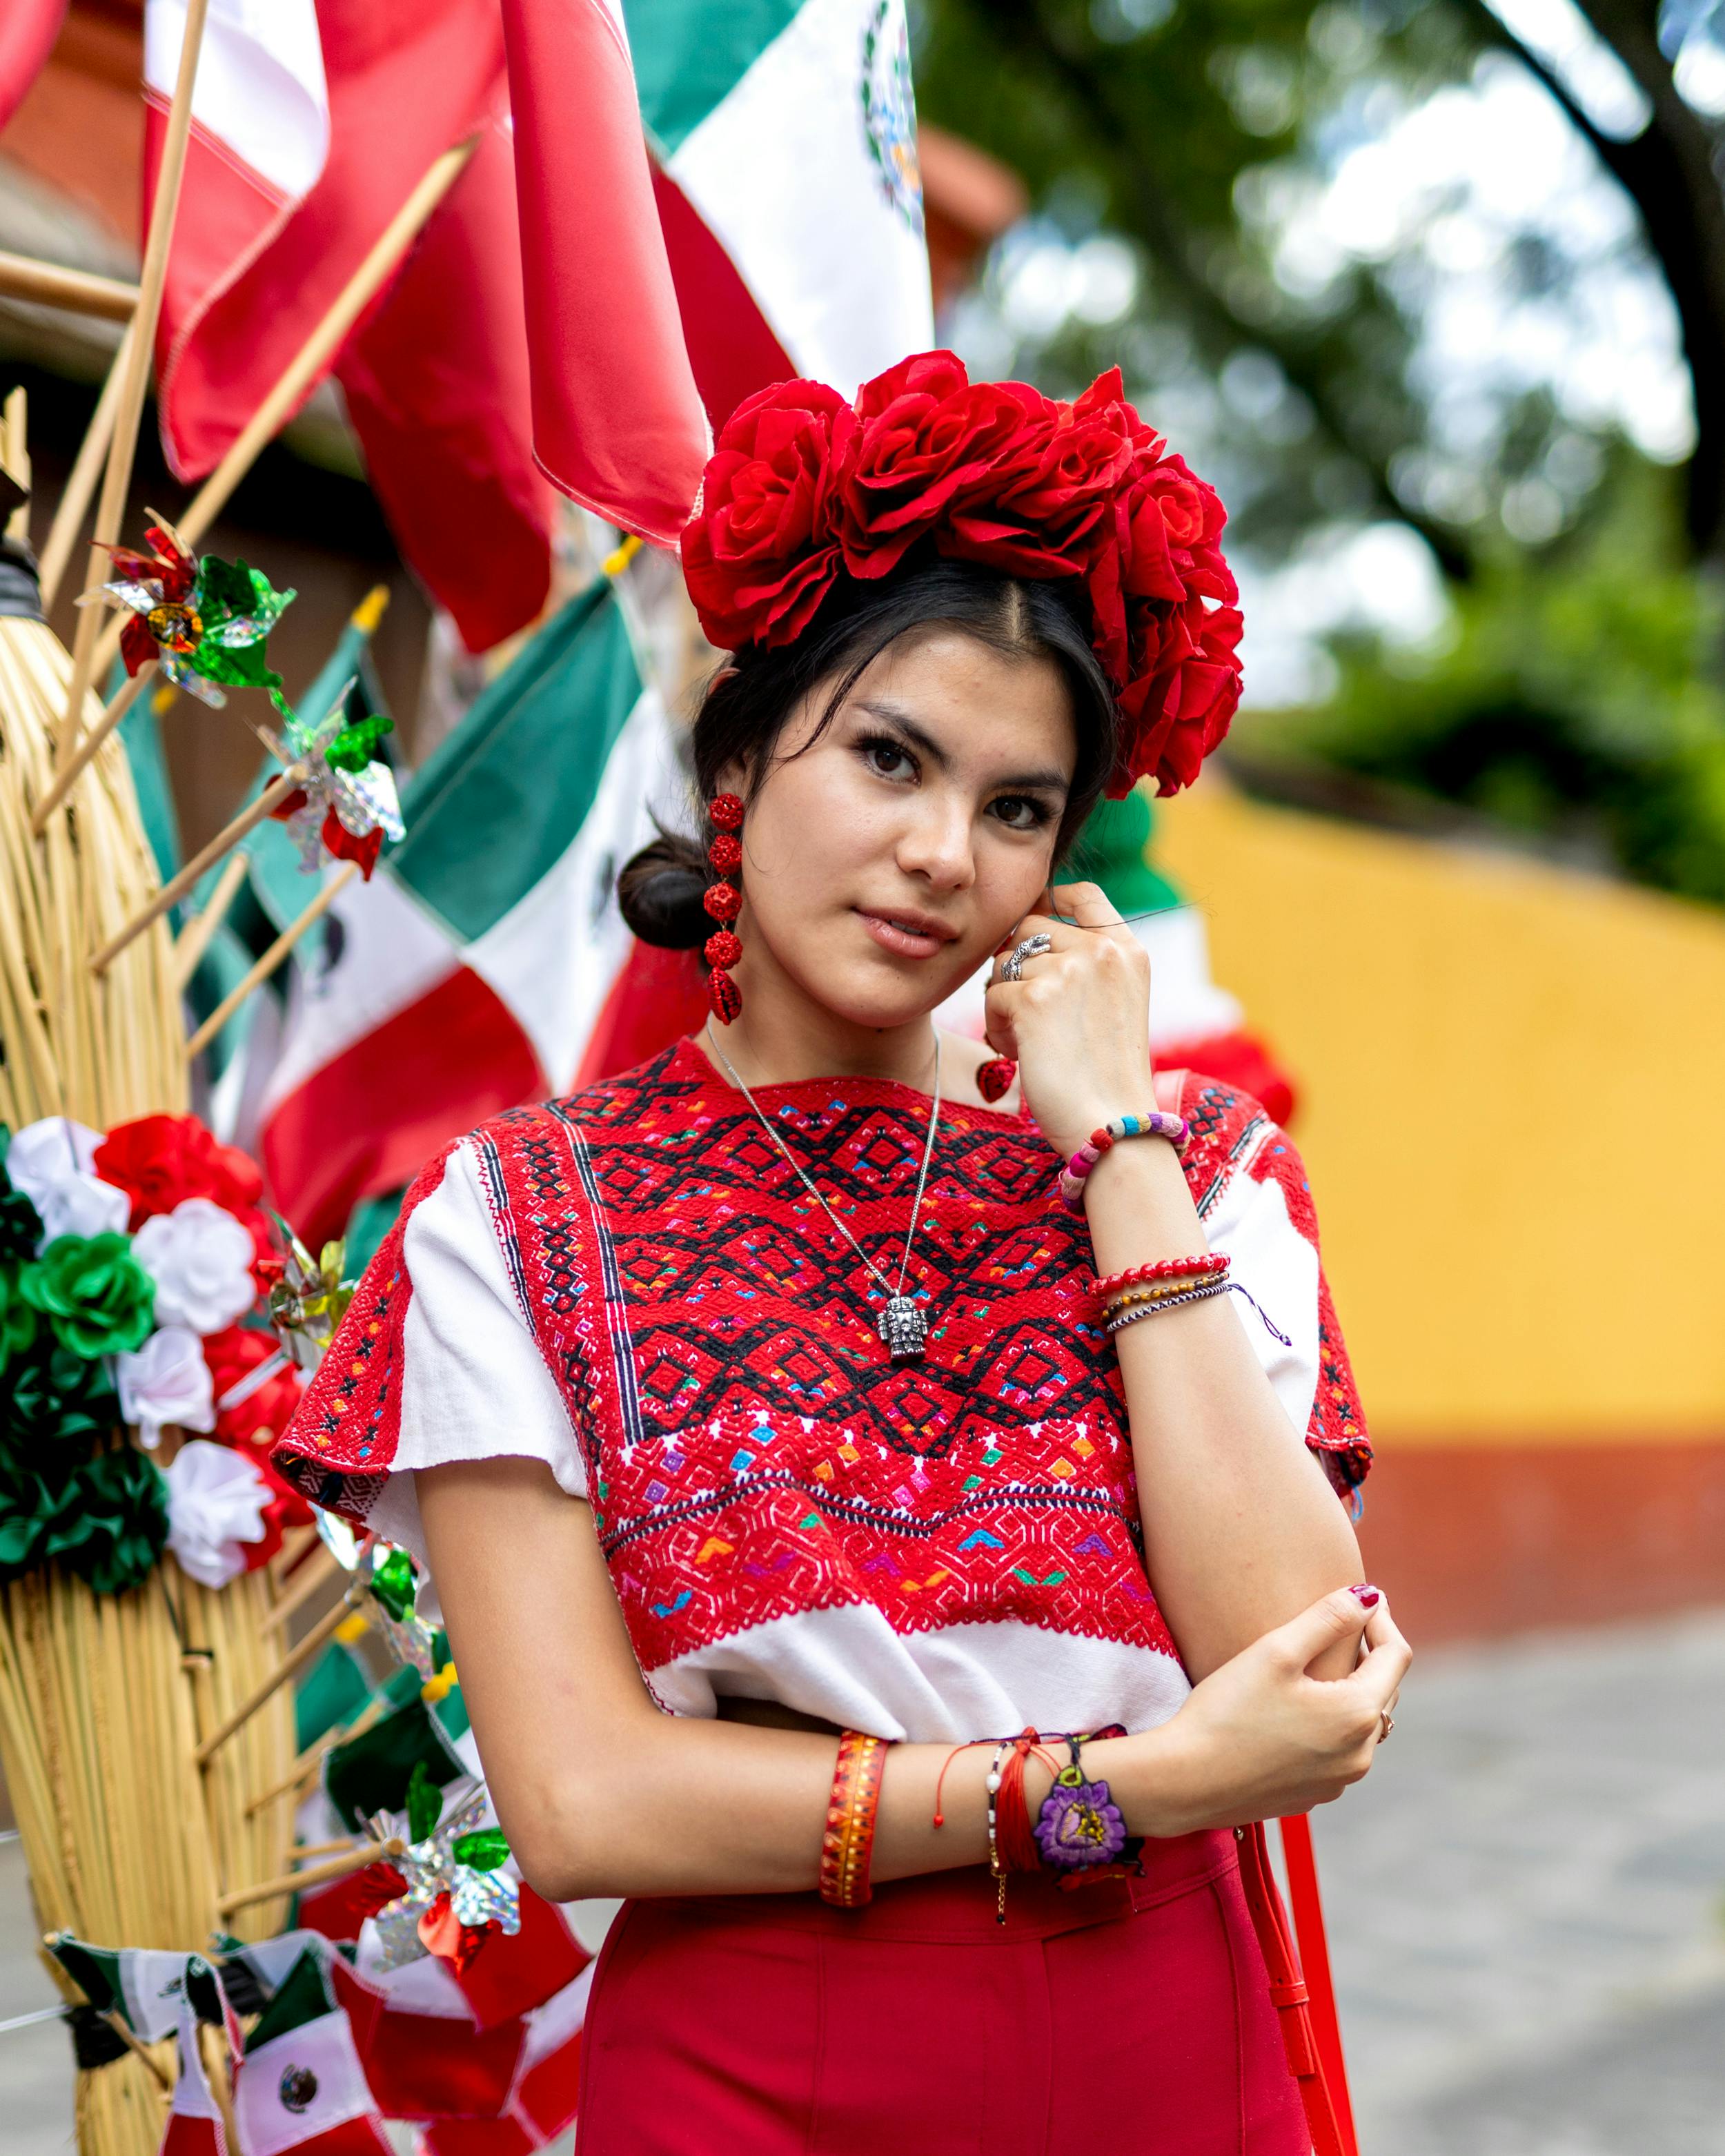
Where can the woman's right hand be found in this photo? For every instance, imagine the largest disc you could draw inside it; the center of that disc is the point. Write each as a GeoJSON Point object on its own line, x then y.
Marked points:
{"type": "Point", "coordinates": [1261, 1738]}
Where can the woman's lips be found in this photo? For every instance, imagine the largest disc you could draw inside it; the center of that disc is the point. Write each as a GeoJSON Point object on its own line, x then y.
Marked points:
{"type": "Point", "coordinates": [905, 939]}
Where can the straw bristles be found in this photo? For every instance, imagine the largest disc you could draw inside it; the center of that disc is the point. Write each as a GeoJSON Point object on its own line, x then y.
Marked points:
{"type": "Point", "coordinates": [102, 1050]}
{"type": "Point", "coordinates": [105, 1700]}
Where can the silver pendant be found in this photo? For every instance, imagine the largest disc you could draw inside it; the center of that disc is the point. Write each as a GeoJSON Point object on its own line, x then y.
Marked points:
{"type": "Point", "coordinates": [904, 1327]}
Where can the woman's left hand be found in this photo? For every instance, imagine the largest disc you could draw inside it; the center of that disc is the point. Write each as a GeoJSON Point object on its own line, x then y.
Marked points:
{"type": "Point", "coordinates": [1077, 1021]}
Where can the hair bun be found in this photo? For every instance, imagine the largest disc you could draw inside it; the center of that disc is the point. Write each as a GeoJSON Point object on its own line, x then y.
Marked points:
{"type": "Point", "coordinates": [660, 892]}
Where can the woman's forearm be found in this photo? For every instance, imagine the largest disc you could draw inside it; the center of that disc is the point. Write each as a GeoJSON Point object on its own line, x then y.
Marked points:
{"type": "Point", "coordinates": [1241, 1528]}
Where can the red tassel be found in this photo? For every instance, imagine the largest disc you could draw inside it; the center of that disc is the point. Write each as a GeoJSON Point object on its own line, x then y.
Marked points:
{"type": "Point", "coordinates": [993, 1079]}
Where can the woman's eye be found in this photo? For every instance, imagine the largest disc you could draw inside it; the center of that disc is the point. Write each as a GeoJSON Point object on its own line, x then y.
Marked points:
{"type": "Point", "coordinates": [1020, 812]}
{"type": "Point", "coordinates": [888, 759]}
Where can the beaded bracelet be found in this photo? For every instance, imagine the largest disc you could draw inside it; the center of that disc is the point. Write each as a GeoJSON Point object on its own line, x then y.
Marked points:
{"type": "Point", "coordinates": [1206, 1262]}
{"type": "Point", "coordinates": [1201, 1294]}
{"type": "Point", "coordinates": [995, 1866]}
{"type": "Point", "coordinates": [1154, 1125]}
{"type": "Point", "coordinates": [1160, 1291]}
{"type": "Point", "coordinates": [849, 1841]}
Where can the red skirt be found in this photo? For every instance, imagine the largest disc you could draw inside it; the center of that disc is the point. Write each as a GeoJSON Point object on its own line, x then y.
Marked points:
{"type": "Point", "coordinates": [1128, 2017]}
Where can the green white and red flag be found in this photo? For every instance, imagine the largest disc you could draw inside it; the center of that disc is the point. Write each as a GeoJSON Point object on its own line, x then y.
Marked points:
{"type": "Point", "coordinates": [771, 224]}
{"type": "Point", "coordinates": [194, 2119]}
{"type": "Point", "coordinates": [300, 2085]}
{"type": "Point", "coordinates": [472, 971]}
{"type": "Point", "coordinates": [313, 120]}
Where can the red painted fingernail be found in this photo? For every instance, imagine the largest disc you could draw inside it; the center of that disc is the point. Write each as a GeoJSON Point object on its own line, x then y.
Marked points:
{"type": "Point", "coordinates": [1368, 1594]}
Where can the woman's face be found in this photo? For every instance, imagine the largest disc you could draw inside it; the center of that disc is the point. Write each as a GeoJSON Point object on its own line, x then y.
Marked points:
{"type": "Point", "coordinates": [884, 864]}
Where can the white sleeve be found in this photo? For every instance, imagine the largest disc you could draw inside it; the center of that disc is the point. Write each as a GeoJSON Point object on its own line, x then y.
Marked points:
{"type": "Point", "coordinates": [1277, 1266]}
{"type": "Point", "coordinates": [473, 1384]}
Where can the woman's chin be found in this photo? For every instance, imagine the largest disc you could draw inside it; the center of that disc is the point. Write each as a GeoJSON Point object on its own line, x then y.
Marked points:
{"type": "Point", "coordinates": [878, 998]}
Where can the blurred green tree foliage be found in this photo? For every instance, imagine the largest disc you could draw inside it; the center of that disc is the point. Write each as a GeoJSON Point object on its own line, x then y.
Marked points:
{"type": "Point", "coordinates": [1576, 692]}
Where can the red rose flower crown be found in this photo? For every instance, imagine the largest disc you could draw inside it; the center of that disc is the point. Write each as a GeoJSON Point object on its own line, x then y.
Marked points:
{"type": "Point", "coordinates": [803, 485]}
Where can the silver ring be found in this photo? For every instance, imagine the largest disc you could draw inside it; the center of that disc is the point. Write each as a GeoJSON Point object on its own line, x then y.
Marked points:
{"type": "Point", "coordinates": [1033, 947]}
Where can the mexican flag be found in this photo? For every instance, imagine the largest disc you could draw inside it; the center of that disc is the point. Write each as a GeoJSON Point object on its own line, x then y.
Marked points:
{"type": "Point", "coordinates": [194, 2120]}
{"type": "Point", "coordinates": [146, 1987]}
{"type": "Point", "coordinates": [771, 224]}
{"type": "Point", "coordinates": [467, 976]}
{"type": "Point", "coordinates": [541, 2100]}
{"type": "Point", "coordinates": [300, 2085]}
{"type": "Point", "coordinates": [311, 126]}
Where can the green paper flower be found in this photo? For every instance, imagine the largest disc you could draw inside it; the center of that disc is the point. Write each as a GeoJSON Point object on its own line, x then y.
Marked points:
{"type": "Point", "coordinates": [20, 1223]}
{"type": "Point", "coordinates": [425, 1803]}
{"type": "Point", "coordinates": [55, 1405]}
{"type": "Point", "coordinates": [96, 1296]}
{"type": "Point", "coordinates": [18, 1317]}
{"type": "Point", "coordinates": [392, 1583]}
{"type": "Point", "coordinates": [107, 1520]}
{"type": "Point", "coordinates": [125, 1522]}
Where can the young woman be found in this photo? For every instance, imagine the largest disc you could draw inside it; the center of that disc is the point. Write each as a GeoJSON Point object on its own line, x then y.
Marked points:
{"type": "Point", "coordinates": [823, 1435]}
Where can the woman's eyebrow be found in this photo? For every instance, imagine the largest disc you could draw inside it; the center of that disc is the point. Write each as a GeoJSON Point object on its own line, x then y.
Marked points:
{"type": "Point", "coordinates": [895, 716]}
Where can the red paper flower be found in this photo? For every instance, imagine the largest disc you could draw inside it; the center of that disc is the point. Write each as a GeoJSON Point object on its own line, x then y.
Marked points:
{"type": "Point", "coordinates": [260, 1418]}
{"type": "Point", "coordinates": [158, 1160]}
{"type": "Point", "coordinates": [989, 472]}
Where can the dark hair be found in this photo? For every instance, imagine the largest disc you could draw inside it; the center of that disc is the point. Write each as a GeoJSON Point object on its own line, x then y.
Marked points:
{"type": "Point", "coordinates": [747, 706]}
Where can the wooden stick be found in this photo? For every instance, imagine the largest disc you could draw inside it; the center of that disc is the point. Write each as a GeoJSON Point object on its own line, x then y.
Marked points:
{"type": "Point", "coordinates": [116, 2022]}
{"type": "Point", "coordinates": [74, 503]}
{"type": "Point", "coordinates": [67, 777]}
{"type": "Point", "coordinates": [317, 1571]}
{"type": "Point", "coordinates": [297, 1543]}
{"type": "Point", "coordinates": [193, 939]}
{"type": "Point", "coordinates": [218, 2071]}
{"type": "Point", "coordinates": [296, 1658]}
{"type": "Point", "coordinates": [314, 1875]}
{"type": "Point", "coordinates": [116, 479]}
{"type": "Point", "coordinates": [78, 291]}
{"type": "Point", "coordinates": [265, 966]}
{"type": "Point", "coordinates": [301, 1850]}
{"type": "Point", "coordinates": [176, 887]}
{"type": "Point", "coordinates": [17, 460]}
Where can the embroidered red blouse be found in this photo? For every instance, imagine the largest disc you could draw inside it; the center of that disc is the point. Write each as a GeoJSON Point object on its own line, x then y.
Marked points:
{"type": "Point", "coordinates": [633, 1285]}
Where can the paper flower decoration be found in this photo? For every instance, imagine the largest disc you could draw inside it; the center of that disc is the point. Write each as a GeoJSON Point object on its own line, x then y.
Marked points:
{"type": "Point", "coordinates": [309, 1297]}
{"type": "Point", "coordinates": [21, 1229]}
{"type": "Point", "coordinates": [97, 1297]}
{"type": "Point", "coordinates": [204, 622]}
{"type": "Point", "coordinates": [50, 1162]}
{"type": "Point", "coordinates": [456, 1887]}
{"type": "Point", "coordinates": [216, 1505]}
{"type": "Point", "coordinates": [346, 804]}
{"type": "Point", "coordinates": [200, 1258]}
{"type": "Point", "coordinates": [165, 1381]}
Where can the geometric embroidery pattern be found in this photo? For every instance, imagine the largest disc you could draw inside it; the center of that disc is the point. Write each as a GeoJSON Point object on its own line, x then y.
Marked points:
{"type": "Point", "coordinates": [751, 1451]}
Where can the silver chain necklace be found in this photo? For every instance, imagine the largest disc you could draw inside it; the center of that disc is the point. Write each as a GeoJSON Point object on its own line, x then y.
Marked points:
{"type": "Point", "coordinates": [903, 1324]}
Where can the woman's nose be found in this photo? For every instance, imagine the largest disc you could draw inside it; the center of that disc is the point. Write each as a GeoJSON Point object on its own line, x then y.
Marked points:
{"type": "Point", "coordinates": [936, 847]}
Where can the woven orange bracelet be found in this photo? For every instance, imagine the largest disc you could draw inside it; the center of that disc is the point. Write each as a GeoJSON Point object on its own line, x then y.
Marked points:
{"type": "Point", "coordinates": [849, 1842]}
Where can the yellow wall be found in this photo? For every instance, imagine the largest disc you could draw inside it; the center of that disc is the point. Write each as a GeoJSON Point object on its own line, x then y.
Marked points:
{"type": "Point", "coordinates": [1511, 1081]}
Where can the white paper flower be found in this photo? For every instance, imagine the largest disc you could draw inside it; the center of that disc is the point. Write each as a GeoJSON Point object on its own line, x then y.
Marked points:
{"type": "Point", "coordinates": [200, 1258]}
{"type": "Point", "coordinates": [50, 1162]}
{"type": "Point", "coordinates": [168, 1380]}
{"type": "Point", "coordinates": [215, 1502]}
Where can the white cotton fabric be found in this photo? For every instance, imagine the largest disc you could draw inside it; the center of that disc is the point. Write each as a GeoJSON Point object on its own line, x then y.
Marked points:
{"type": "Point", "coordinates": [474, 1387]}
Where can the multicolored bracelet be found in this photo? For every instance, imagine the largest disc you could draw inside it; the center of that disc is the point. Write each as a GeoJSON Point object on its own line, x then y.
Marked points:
{"type": "Point", "coordinates": [1154, 1125]}
{"type": "Point", "coordinates": [849, 1839]}
{"type": "Point", "coordinates": [1201, 1293]}
{"type": "Point", "coordinates": [1206, 1262]}
{"type": "Point", "coordinates": [1160, 1291]}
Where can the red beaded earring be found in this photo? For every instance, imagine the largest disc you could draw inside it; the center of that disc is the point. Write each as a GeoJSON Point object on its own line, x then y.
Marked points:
{"type": "Point", "coordinates": [723, 902]}
{"type": "Point", "coordinates": [993, 1079]}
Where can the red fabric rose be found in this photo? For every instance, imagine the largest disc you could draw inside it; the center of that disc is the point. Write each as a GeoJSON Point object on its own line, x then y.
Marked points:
{"type": "Point", "coordinates": [232, 1355]}
{"type": "Point", "coordinates": [758, 553]}
{"type": "Point", "coordinates": [1043, 511]}
{"type": "Point", "coordinates": [158, 1160]}
{"type": "Point", "coordinates": [926, 435]}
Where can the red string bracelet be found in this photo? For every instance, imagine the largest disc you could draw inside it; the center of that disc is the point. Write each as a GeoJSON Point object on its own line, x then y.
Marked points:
{"type": "Point", "coordinates": [1017, 1842]}
{"type": "Point", "coordinates": [1208, 1262]}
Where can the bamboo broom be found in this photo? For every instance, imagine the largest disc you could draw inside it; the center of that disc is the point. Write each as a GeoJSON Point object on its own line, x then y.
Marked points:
{"type": "Point", "coordinates": [101, 1713]}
